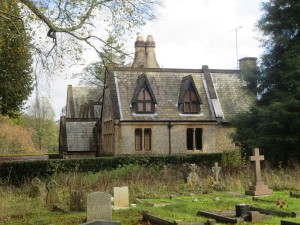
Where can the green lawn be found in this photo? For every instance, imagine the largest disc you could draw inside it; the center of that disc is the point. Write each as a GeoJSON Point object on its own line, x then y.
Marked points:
{"type": "Point", "coordinates": [181, 207]}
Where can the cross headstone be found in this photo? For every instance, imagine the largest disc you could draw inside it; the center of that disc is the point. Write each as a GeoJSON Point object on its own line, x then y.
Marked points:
{"type": "Point", "coordinates": [52, 196]}
{"type": "Point", "coordinates": [98, 206]}
{"type": "Point", "coordinates": [121, 197]}
{"type": "Point", "coordinates": [193, 176]}
{"type": "Point", "coordinates": [258, 187]}
{"type": "Point", "coordinates": [257, 158]}
{"type": "Point", "coordinates": [77, 201]}
{"type": "Point", "coordinates": [216, 170]}
{"type": "Point", "coordinates": [38, 189]}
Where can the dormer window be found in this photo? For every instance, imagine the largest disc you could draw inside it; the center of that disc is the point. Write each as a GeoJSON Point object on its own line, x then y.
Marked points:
{"type": "Point", "coordinates": [143, 100]}
{"type": "Point", "coordinates": [189, 100]}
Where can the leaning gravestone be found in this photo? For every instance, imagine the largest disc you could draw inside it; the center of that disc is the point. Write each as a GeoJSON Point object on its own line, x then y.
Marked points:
{"type": "Point", "coordinates": [98, 207]}
{"type": "Point", "coordinates": [38, 189]}
{"type": "Point", "coordinates": [77, 201]}
{"type": "Point", "coordinates": [258, 187]}
{"type": "Point", "coordinates": [193, 176]}
{"type": "Point", "coordinates": [121, 197]}
{"type": "Point", "coordinates": [52, 196]}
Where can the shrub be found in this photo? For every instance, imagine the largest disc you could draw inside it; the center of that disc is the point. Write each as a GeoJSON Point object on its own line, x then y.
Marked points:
{"type": "Point", "coordinates": [14, 139]}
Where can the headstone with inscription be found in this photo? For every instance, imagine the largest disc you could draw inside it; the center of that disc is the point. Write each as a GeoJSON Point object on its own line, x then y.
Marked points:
{"type": "Point", "coordinates": [98, 206]}
{"type": "Point", "coordinates": [258, 187]}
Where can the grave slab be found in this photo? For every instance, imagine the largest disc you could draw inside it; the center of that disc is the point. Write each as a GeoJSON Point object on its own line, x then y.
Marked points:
{"type": "Point", "coordinates": [295, 195]}
{"type": "Point", "coordinates": [284, 222]}
{"type": "Point", "coordinates": [220, 218]}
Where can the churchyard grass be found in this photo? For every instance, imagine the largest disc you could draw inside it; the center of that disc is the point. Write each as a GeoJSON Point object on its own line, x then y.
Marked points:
{"type": "Point", "coordinates": [154, 185]}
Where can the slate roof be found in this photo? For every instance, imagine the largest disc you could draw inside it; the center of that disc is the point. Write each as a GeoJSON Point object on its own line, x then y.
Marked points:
{"type": "Point", "coordinates": [78, 96]}
{"type": "Point", "coordinates": [167, 84]}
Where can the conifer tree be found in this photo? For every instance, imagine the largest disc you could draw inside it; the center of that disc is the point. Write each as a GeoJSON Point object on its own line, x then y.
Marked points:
{"type": "Point", "coordinates": [273, 124]}
{"type": "Point", "coordinates": [15, 60]}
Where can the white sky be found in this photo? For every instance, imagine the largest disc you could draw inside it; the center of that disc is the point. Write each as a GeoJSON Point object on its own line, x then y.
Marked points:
{"type": "Point", "coordinates": [189, 34]}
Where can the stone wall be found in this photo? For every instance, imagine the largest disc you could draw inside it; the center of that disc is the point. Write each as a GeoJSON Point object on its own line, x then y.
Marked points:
{"type": "Point", "coordinates": [215, 138]}
{"type": "Point", "coordinates": [80, 135]}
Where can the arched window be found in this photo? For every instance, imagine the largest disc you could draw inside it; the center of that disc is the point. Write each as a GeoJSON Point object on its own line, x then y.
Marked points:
{"type": "Point", "coordinates": [189, 99]}
{"type": "Point", "coordinates": [144, 102]}
{"type": "Point", "coordinates": [143, 99]}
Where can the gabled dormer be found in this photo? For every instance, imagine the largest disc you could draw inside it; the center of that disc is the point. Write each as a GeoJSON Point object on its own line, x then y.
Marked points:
{"type": "Point", "coordinates": [143, 100]}
{"type": "Point", "coordinates": [189, 99]}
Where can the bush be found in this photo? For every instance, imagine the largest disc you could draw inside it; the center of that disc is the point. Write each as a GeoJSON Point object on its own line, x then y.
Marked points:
{"type": "Point", "coordinates": [19, 172]}
{"type": "Point", "coordinates": [14, 139]}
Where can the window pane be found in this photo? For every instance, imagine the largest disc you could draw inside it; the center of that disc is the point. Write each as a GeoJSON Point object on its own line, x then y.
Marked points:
{"type": "Point", "coordinates": [187, 97]}
{"type": "Point", "coordinates": [198, 135]}
{"type": "Point", "coordinates": [141, 95]}
{"type": "Point", "coordinates": [193, 95]}
{"type": "Point", "coordinates": [138, 139]}
{"type": "Point", "coordinates": [194, 107]}
{"type": "Point", "coordinates": [187, 107]}
{"type": "Point", "coordinates": [140, 107]}
{"type": "Point", "coordinates": [148, 106]}
{"type": "Point", "coordinates": [147, 137]}
{"type": "Point", "coordinates": [189, 139]}
{"type": "Point", "coordinates": [147, 95]}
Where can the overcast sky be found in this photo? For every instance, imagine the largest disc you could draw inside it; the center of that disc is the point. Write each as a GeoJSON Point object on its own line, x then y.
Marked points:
{"type": "Point", "coordinates": [189, 34]}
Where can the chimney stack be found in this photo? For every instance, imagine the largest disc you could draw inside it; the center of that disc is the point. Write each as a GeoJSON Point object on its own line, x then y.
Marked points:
{"type": "Point", "coordinates": [150, 53]}
{"type": "Point", "coordinates": [140, 55]}
{"type": "Point", "coordinates": [145, 53]}
{"type": "Point", "coordinates": [247, 63]}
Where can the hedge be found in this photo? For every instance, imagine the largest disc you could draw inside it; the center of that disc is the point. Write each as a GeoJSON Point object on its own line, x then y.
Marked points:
{"type": "Point", "coordinates": [18, 172]}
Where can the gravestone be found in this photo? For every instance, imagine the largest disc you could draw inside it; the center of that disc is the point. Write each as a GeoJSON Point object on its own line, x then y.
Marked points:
{"type": "Point", "coordinates": [216, 171]}
{"type": "Point", "coordinates": [77, 201]}
{"type": "Point", "coordinates": [121, 197]}
{"type": "Point", "coordinates": [98, 206]}
{"type": "Point", "coordinates": [38, 189]}
{"type": "Point", "coordinates": [185, 169]}
{"type": "Point", "coordinates": [52, 196]}
{"type": "Point", "coordinates": [193, 176]}
{"type": "Point", "coordinates": [258, 187]}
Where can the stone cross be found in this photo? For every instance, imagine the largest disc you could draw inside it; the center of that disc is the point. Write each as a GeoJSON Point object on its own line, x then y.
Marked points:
{"type": "Point", "coordinates": [257, 158]}
{"type": "Point", "coordinates": [258, 187]}
{"type": "Point", "coordinates": [216, 170]}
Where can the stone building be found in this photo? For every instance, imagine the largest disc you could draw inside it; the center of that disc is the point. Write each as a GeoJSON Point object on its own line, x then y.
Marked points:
{"type": "Point", "coordinates": [77, 128]}
{"type": "Point", "coordinates": [153, 110]}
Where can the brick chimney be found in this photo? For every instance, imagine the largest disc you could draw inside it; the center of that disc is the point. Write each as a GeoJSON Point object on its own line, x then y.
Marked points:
{"type": "Point", "coordinates": [144, 56]}
{"type": "Point", "coordinates": [247, 63]}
